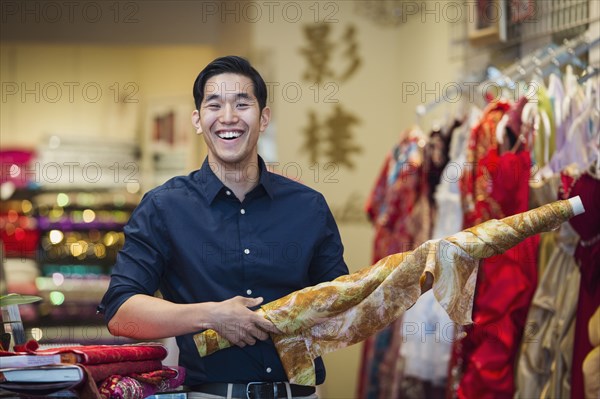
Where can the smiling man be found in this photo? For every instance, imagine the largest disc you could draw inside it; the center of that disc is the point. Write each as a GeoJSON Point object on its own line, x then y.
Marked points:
{"type": "Point", "coordinates": [219, 242]}
{"type": "Point", "coordinates": [232, 118]}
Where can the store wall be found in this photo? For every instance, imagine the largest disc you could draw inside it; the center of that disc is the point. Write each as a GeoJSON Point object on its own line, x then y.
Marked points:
{"type": "Point", "coordinates": [418, 53]}
{"type": "Point", "coordinates": [89, 91]}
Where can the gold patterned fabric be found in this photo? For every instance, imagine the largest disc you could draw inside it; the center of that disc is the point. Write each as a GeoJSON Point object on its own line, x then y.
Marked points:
{"type": "Point", "coordinates": [332, 315]}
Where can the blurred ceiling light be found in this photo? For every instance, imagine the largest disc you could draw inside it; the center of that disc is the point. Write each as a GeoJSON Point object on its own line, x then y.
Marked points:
{"type": "Point", "coordinates": [58, 278]}
{"type": "Point", "coordinates": [62, 199]}
{"type": "Point", "coordinates": [26, 206]}
{"type": "Point", "coordinates": [100, 251]}
{"type": "Point", "coordinates": [57, 298]}
{"type": "Point", "coordinates": [89, 215]}
{"type": "Point", "coordinates": [110, 238]}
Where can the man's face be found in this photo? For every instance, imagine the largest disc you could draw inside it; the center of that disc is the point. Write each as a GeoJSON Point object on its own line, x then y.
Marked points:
{"type": "Point", "coordinates": [230, 119]}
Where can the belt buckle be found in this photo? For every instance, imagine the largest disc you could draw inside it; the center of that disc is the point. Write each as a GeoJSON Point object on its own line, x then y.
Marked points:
{"type": "Point", "coordinates": [248, 387]}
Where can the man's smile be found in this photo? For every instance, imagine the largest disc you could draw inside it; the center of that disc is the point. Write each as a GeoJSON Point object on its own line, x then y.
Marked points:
{"type": "Point", "coordinates": [229, 134]}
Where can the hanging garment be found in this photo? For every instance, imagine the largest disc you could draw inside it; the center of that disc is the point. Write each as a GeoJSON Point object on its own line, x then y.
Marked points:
{"type": "Point", "coordinates": [427, 330]}
{"type": "Point", "coordinates": [437, 155]}
{"type": "Point", "coordinates": [493, 186]}
{"type": "Point", "coordinates": [449, 215]}
{"type": "Point", "coordinates": [505, 286]}
{"type": "Point", "coordinates": [339, 313]}
{"type": "Point", "coordinates": [427, 336]}
{"type": "Point", "coordinates": [587, 256]}
{"type": "Point", "coordinates": [572, 135]}
{"type": "Point", "coordinates": [556, 92]}
{"type": "Point", "coordinates": [544, 142]}
{"type": "Point", "coordinates": [544, 361]}
{"type": "Point", "coordinates": [400, 213]}
{"type": "Point", "coordinates": [421, 346]}
{"type": "Point", "coordinates": [544, 366]}
{"type": "Point", "coordinates": [481, 140]}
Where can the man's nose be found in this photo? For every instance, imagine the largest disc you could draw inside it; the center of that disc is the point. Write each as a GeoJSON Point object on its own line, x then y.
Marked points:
{"type": "Point", "coordinates": [229, 114]}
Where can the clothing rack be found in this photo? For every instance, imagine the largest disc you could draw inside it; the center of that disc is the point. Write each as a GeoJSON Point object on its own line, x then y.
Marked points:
{"type": "Point", "coordinates": [554, 58]}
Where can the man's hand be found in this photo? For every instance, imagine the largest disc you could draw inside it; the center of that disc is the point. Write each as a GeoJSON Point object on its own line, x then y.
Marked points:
{"type": "Point", "coordinates": [240, 325]}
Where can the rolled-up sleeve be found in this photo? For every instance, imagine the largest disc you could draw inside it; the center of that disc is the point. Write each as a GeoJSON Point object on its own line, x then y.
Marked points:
{"type": "Point", "coordinates": [328, 262]}
{"type": "Point", "coordinates": [141, 262]}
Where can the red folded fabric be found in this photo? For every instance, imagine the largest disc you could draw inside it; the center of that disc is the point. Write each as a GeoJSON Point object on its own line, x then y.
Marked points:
{"type": "Point", "coordinates": [99, 354]}
{"type": "Point", "coordinates": [100, 372]}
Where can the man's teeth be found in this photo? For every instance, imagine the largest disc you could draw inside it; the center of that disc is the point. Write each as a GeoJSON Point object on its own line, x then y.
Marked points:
{"type": "Point", "coordinates": [229, 135]}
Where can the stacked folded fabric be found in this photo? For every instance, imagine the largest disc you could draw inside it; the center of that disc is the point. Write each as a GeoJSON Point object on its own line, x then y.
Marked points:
{"type": "Point", "coordinates": [132, 371]}
{"type": "Point", "coordinates": [103, 361]}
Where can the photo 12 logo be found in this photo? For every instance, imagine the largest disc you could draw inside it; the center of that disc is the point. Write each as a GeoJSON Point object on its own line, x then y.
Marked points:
{"type": "Point", "coordinates": [54, 92]}
{"type": "Point", "coordinates": [70, 172]}
{"type": "Point", "coordinates": [68, 12]}
{"type": "Point", "coordinates": [453, 92]}
{"type": "Point", "coordinates": [269, 11]}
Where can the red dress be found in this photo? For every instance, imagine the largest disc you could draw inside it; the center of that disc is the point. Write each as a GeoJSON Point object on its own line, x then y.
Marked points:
{"type": "Point", "coordinates": [505, 286]}
{"type": "Point", "coordinates": [494, 186]}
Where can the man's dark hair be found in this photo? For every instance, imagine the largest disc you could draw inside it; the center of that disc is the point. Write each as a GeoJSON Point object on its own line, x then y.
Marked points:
{"type": "Point", "coordinates": [230, 64]}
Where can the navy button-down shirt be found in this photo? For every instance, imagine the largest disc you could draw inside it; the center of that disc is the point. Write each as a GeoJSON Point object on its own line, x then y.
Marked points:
{"type": "Point", "coordinates": [193, 240]}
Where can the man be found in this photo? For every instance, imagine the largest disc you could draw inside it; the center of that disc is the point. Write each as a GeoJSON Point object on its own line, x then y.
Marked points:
{"type": "Point", "coordinates": [219, 242]}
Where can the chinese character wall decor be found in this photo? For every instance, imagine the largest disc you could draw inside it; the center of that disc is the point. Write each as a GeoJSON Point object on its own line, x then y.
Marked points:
{"type": "Point", "coordinates": [320, 50]}
{"type": "Point", "coordinates": [335, 134]}
{"type": "Point", "coordinates": [329, 63]}
{"type": "Point", "coordinates": [339, 137]}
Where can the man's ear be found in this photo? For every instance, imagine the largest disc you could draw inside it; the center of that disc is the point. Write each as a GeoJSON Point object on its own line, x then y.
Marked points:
{"type": "Point", "coordinates": [196, 121]}
{"type": "Point", "coordinates": [265, 118]}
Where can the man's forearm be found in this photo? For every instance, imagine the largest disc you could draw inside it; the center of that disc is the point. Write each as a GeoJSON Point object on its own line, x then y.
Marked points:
{"type": "Point", "coordinates": [147, 317]}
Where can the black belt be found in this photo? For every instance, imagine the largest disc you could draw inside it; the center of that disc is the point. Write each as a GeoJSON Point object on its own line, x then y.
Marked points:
{"type": "Point", "coordinates": [255, 390]}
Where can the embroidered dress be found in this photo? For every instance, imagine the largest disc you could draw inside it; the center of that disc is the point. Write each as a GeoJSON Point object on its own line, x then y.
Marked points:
{"type": "Point", "coordinates": [482, 363]}
{"type": "Point", "coordinates": [397, 206]}
{"type": "Point", "coordinates": [505, 286]}
{"type": "Point", "coordinates": [473, 185]}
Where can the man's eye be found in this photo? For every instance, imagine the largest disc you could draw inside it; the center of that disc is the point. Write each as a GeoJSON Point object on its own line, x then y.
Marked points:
{"type": "Point", "coordinates": [243, 105]}
{"type": "Point", "coordinates": [212, 106]}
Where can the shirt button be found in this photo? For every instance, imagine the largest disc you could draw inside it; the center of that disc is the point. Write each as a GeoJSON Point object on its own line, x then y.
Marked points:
{"type": "Point", "coordinates": [246, 251]}
{"type": "Point", "coordinates": [249, 292]}
{"type": "Point", "coordinates": [269, 369]}
{"type": "Point", "coordinates": [242, 211]}
{"type": "Point", "coordinates": [228, 192]}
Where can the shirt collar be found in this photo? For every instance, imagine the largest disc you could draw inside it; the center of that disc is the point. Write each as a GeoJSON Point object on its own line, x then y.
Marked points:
{"type": "Point", "coordinates": [211, 184]}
